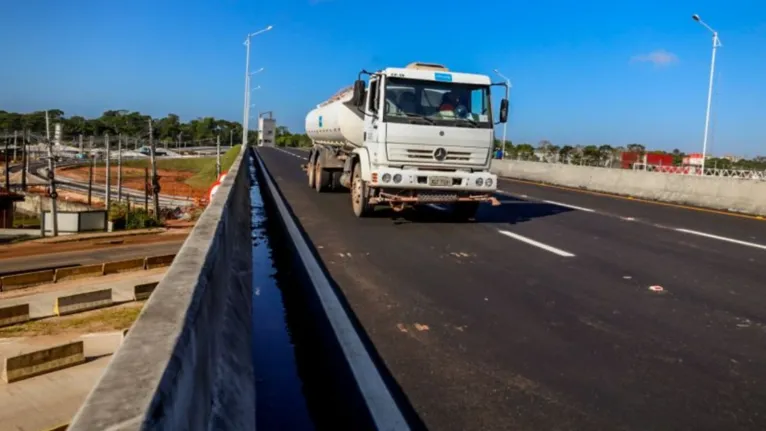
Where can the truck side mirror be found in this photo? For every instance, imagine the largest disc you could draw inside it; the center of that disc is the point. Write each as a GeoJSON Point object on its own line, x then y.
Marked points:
{"type": "Point", "coordinates": [504, 110]}
{"type": "Point", "coordinates": [358, 97]}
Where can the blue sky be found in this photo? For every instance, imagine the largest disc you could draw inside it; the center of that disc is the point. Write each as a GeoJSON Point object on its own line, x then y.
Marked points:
{"type": "Point", "coordinates": [576, 66]}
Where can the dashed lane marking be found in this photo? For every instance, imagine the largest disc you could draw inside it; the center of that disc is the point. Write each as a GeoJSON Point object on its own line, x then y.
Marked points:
{"type": "Point", "coordinates": [537, 244]}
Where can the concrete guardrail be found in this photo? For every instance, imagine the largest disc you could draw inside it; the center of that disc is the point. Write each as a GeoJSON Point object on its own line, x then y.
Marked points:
{"type": "Point", "coordinates": [722, 193]}
{"type": "Point", "coordinates": [186, 362]}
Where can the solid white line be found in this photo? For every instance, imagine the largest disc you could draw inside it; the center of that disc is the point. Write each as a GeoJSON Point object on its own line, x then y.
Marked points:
{"type": "Point", "coordinates": [545, 247]}
{"type": "Point", "coordinates": [723, 238]}
{"type": "Point", "coordinates": [574, 207]}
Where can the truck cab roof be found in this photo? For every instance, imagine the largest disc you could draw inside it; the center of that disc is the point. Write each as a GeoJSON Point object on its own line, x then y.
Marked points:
{"type": "Point", "coordinates": [432, 73]}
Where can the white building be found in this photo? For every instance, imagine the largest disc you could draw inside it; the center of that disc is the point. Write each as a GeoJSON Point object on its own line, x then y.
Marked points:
{"type": "Point", "coordinates": [266, 131]}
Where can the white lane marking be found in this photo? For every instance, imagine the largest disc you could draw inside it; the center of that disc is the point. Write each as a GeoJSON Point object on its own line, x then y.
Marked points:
{"type": "Point", "coordinates": [545, 247]}
{"type": "Point", "coordinates": [723, 238]}
{"type": "Point", "coordinates": [561, 204]}
{"type": "Point", "coordinates": [574, 207]}
{"type": "Point", "coordinates": [292, 154]}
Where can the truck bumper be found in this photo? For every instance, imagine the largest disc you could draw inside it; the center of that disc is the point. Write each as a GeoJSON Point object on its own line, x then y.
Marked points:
{"type": "Point", "coordinates": [416, 186]}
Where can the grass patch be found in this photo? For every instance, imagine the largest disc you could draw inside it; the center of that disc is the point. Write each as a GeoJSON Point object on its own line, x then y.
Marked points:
{"type": "Point", "coordinates": [205, 177]}
{"type": "Point", "coordinates": [106, 319]}
{"type": "Point", "coordinates": [204, 167]}
{"type": "Point", "coordinates": [25, 221]}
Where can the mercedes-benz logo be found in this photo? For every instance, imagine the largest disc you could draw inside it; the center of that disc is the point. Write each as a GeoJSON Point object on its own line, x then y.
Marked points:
{"type": "Point", "coordinates": [440, 154]}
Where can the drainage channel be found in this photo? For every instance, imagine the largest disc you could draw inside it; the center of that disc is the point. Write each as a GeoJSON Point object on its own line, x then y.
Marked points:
{"type": "Point", "coordinates": [280, 403]}
{"type": "Point", "coordinates": [303, 380]}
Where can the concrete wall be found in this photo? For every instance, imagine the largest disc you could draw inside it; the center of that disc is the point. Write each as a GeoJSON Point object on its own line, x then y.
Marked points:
{"type": "Point", "coordinates": [187, 362]}
{"type": "Point", "coordinates": [34, 204]}
{"type": "Point", "coordinates": [729, 194]}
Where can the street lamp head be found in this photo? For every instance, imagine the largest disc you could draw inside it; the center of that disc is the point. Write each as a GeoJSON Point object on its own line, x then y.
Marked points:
{"type": "Point", "coordinates": [696, 17]}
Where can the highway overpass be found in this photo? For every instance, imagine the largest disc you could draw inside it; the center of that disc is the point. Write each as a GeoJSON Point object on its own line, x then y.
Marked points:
{"type": "Point", "coordinates": [560, 309]}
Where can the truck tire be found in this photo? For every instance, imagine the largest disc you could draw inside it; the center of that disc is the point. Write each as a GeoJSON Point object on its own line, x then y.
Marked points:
{"type": "Point", "coordinates": [464, 211]}
{"type": "Point", "coordinates": [336, 185]}
{"type": "Point", "coordinates": [359, 199]}
{"type": "Point", "coordinates": [310, 170]}
{"type": "Point", "coordinates": [322, 178]}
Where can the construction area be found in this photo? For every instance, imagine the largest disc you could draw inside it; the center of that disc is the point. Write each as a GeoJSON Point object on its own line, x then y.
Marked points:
{"type": "Point", "coordinates": [66, 304]}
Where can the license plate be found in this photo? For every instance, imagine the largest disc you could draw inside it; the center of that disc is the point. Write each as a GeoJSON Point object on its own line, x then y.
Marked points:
{"type": "Point", "coordinates": [440, 181]}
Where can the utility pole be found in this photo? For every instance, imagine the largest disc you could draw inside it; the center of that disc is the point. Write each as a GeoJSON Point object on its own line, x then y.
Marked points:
{"type": "Point", "coordinates": [231, 137]}
{"type": "Point", "coordinates": [15, 144]}
{"type": "Point", "coordinates": [24, 161]}
{"type": "Point", "coordinates": [108, 191]}
{"type": "Point", "coordinates": [81, 146]}
{"type": "Point", "coordinates": [155, 178]}
{"type": "Point", "coordinates": [7, 167]}
{"type": "Point", "coordinates": [51, 176]}
{"type": "Point", "coordinates": [146, 190]}
{"type": "Point", "coordinates": [218, 156]}
{"type": "Point", "coordinates": [119, 168]}
{"type": "Point", "coordinates": [27, 142]}
{"type": "Point", "coordinates": [91, 161]}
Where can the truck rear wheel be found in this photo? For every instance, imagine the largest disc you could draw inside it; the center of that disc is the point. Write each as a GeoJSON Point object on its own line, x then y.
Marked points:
{"type": "Point", "coordinates": [360, 200]}
{"type": "Point", "coordinates": [321, 178]}
{"type": "Point", "coordinates": [310, 172]}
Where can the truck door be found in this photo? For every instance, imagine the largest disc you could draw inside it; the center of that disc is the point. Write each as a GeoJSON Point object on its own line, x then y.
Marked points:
{"type": "Point", "coordinates": [372, 119]}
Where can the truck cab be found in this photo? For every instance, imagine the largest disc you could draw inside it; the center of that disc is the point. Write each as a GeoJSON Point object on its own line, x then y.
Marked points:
{"type": "Point", "coordinates": [428, 138]}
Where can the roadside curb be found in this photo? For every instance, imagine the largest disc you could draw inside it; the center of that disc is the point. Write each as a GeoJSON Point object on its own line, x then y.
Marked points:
{"type": "Point", "coordinates": [34, 278]}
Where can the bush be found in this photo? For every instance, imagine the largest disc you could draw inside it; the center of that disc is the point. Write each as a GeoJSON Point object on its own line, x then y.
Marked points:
{"type": "Point", "coordinates": [136, 218]}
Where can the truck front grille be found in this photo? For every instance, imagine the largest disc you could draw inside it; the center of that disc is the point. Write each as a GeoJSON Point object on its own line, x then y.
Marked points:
{"type": "Point", "coordinates": [408, 153]}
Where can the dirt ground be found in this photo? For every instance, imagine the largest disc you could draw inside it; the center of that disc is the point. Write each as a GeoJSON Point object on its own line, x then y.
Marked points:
{"type": "Point", "coordinates": [106, 319]}
{"type": "Point", "coordinates": [171, 182]}
{"type": "Point", "coordinates": [31, 248]}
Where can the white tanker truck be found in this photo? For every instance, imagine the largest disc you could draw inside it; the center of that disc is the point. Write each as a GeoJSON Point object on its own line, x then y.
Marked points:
{"type": "Point", "coordinates": [414, 135]}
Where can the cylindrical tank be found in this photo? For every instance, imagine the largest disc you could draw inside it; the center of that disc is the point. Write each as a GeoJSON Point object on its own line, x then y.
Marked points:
{"type": "Point", "coordinates": [336, 122]}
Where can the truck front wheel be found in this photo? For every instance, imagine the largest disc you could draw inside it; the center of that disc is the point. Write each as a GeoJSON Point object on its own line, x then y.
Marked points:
{"type": "Point", "coordinates": [359, 194]}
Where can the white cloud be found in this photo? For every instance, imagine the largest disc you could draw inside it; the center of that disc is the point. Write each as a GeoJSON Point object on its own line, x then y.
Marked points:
{"type": "Point", "coordinates": [658, 57]}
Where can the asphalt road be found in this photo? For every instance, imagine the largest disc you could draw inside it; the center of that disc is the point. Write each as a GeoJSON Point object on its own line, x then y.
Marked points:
{"type": "Point", "coordinates": [90, 256]}
{"type": "Point", "coordinates": [540, 316]}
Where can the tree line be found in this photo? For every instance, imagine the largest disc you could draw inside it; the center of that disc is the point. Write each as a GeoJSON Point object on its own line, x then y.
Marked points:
{"type": "Point", "coordinates": [606, 155]}
{"type": "Point", "coordinates": [166, 129]}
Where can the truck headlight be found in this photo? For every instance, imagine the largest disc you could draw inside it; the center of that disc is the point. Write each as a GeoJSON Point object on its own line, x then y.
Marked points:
{"type": "Point", "coordinates": [489, 182]}
{"type": "Point", "coordinates": [397, 178]}
{"type": "Point", "coordinates": [479, 181]}
{"type": "Point", "coordinates": [386, 178]}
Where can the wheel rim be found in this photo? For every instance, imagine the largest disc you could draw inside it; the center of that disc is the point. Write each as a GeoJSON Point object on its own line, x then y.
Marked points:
{"type": "Point", "coordinates": [357, 194]}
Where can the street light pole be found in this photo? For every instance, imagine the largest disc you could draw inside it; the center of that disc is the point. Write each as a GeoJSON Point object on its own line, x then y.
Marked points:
{"type": "Point", "coordinates": [716, 44]}
{"type": "Point", "coordinates": [505, 125]}
{"type": "Point", "coordinates": [246, 110]}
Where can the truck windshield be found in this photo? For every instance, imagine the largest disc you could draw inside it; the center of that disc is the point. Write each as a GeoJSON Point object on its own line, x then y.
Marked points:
{"type": "Point", "coordinates": [442, 103]}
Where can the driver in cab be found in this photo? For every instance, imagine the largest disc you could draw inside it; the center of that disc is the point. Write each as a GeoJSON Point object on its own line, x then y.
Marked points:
{"type": "Point", "coordinates": [451, 104]}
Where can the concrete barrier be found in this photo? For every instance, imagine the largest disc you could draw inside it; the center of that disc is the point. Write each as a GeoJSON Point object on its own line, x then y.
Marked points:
{"type": "Point", "coordinates": [43, 361]}
{"type": "Point", "coordinates": [186, 363]}
{"type": "Point", "coordinates": [159, 261]}
{"type": "Point", "coordinates": [143, 291]}
{"type": "Point", "coordinates": [124, 266]}
{"type": "Point", "coordinates": [722, 193]}
{"type": "Point", "coordinates": [82, 302]}
{"type": "Point", "coordinates": [27, 279]}
{"type": "Point", "coordinates": [76, 272]}
{"type": "Point", "coordinates": [14, 314]}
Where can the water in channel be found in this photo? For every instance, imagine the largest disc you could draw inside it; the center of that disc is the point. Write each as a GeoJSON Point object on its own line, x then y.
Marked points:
{"type": "Point", "coordinates": [280, 402]}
